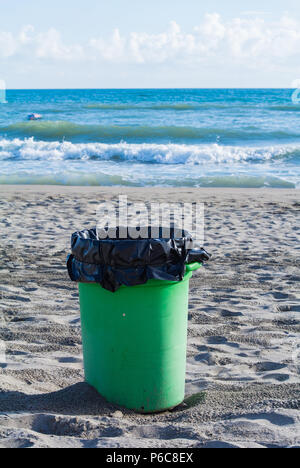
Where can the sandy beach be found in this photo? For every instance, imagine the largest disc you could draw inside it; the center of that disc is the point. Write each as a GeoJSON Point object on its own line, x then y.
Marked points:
{"type": "Point", "coordinates": [242, 382]}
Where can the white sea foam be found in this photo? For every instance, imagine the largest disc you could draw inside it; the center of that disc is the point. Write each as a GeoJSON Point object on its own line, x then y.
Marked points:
{"type": "Point", "coordinates": [30, 149]}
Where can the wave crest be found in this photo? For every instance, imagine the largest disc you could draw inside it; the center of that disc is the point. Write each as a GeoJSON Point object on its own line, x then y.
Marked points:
{"type": "Point", "coordinates": [61, 130]}
{"type": "Point", "coordinates": [30, 149]}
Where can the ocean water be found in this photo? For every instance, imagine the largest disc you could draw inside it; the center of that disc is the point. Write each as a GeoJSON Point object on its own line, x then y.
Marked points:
{"type": "Point", "coordinates": [192, 138]}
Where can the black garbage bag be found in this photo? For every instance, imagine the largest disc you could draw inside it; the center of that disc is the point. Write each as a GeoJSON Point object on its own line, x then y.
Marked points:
{"type": "Point", "coordinates": [113, 262]}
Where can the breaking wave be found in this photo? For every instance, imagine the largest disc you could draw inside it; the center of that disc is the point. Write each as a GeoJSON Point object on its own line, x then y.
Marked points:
{"type": "Point", "coordinates": [31, 149]}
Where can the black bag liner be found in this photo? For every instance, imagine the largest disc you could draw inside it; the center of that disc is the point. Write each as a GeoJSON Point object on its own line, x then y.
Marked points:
{"type": "Point", "coordinates": [131, 262]}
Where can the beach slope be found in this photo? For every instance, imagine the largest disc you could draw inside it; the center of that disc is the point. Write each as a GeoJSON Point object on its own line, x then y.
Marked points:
{"type": "Point", "coordinates": [243, 367]}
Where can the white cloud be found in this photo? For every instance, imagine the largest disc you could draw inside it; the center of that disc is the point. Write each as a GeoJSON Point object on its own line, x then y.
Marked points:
{"type": "Point", "coordinates": [40, 45]}
{"type": "Point", "coordinates": [50, 45]}
{"type": "Point", "coordinates": [240, 39]}
{"type": "Point", "coordinates": [249, 40]}
{"type": "Point", "coordinates": [112, 49]}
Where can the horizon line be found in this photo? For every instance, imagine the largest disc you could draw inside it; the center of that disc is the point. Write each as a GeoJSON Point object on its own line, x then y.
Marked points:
{"type": "Point", "coordinates": [148, 88]}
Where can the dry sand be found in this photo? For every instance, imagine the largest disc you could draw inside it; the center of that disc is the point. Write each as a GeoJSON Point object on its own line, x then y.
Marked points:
{"type": "Point", "coordinates": [242, 380]}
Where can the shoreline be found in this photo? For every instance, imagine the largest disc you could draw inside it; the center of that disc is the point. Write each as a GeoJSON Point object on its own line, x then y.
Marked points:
{"type": "Point", "coordinates": [90, 188]}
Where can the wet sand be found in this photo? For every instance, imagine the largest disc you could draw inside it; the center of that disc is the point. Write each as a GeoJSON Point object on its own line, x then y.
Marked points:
{"type": "Point", "coordinates": [242, 382]}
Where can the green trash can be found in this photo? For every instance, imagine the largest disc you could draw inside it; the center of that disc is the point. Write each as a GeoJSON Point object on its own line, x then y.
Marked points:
{"type": "Point", "coordinates": [134, 315]}
{"type": "Point", "coordinates": [135, 340]}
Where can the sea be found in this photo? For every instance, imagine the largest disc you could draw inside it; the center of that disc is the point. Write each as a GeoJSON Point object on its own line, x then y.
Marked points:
{"type": "Point", "coordinates": [151, 137]}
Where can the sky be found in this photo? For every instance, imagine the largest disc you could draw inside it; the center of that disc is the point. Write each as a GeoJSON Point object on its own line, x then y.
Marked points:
{"type": "Point", "coordinates": [150, 44]}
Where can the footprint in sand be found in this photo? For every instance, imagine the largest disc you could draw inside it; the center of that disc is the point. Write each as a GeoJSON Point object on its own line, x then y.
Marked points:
{"type": "Point", "coordinates": [268, 366]}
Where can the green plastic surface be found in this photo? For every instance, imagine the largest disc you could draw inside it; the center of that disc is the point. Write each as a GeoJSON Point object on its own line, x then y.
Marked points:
{"type": "Point", "coordinates": [134, 342]}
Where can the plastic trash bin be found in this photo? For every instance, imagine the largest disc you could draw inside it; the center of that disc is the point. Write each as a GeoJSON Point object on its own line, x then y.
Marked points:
{"type": "Point", "coordinates": [135, 339]}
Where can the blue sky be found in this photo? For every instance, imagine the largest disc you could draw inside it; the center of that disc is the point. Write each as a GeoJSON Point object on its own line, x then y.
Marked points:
{"type": "Point", "coordinates": [143, 43]}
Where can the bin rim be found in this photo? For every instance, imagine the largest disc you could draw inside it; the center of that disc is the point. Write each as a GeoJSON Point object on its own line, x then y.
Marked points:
{"type": "Point", "coordinates": [152, 283]}
{"type": "Point", "coordinates": [131, 262]}
{"type": "Point", "coordinates": [190, 267]}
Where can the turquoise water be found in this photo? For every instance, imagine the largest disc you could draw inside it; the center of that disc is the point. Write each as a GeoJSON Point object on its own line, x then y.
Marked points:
{"type": "Point", "coordinates": [196, 138]}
